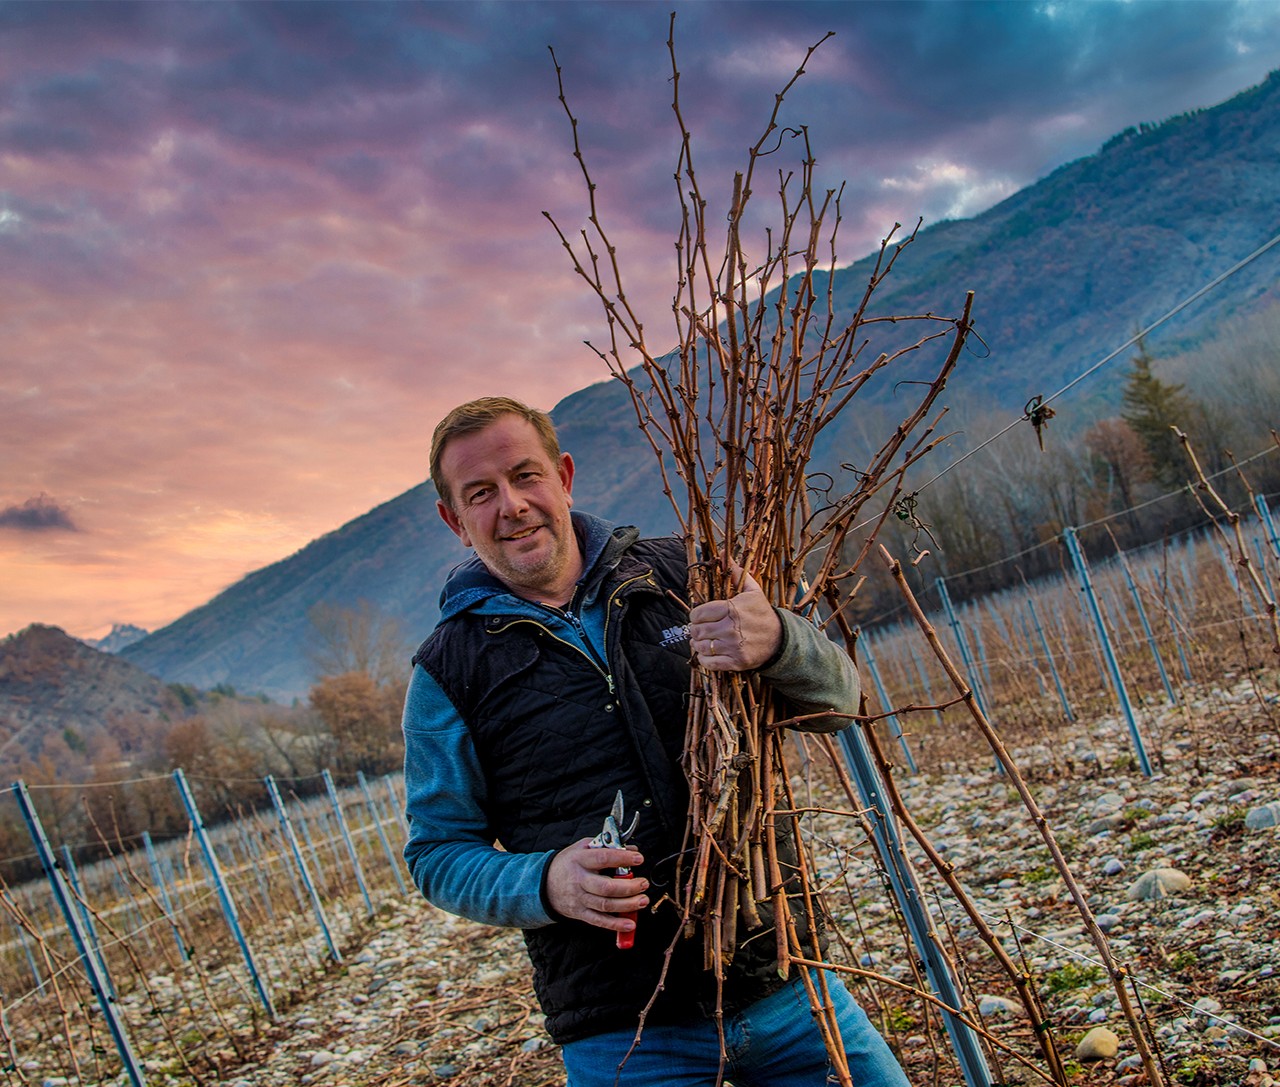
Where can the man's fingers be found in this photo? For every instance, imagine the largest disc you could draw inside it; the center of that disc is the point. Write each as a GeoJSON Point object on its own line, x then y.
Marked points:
{"type": "Point", "coordinates": [608, 889]}
{"type": "Point", "coordinates": [613, 903]}
{"type": "Point", "coordinates": [581, 886]}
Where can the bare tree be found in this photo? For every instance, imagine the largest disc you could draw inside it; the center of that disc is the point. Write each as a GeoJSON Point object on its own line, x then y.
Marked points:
{"type": "Point", "coordinates": [360, 639]}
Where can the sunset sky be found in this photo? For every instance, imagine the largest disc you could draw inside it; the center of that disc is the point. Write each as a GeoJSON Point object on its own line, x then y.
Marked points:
{"type": "Point", "coordinates": [251, 253]}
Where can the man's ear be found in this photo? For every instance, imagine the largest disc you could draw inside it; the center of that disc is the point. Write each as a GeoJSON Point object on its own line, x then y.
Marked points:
{"type": "Point", "coordinates": [451, 519]}
{"type": "Point", "coordinates": [565, 471]}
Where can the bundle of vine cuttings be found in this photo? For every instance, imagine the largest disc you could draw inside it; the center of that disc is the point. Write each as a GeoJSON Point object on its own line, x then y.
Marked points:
{"type": "Point", "coordinates": [765, 363]}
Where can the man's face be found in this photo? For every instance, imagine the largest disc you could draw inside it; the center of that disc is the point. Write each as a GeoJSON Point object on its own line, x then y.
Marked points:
{"type": "Point", "coordinates": [510, 502]}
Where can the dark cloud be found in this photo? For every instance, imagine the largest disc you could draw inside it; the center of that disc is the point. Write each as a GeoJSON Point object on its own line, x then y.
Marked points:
{"type": "Point", "coordinates": [39, 514]}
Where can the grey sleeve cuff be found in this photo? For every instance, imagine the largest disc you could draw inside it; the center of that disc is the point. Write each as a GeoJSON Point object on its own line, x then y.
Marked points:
{"type": "Point", "coordinates": [814, 674]}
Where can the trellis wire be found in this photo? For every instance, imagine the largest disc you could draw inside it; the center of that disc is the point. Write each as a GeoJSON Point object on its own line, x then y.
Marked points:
{"type": "Point", "coordinates": [1182, 577]}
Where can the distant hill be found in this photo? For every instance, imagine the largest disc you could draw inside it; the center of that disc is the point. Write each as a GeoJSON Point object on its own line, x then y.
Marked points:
{"type": "Point", "coordinates": [1064, 271]}
{"type": "Point", "coordinates": [122, 634]}
{"type": "Point", "coordinates": [51, 683]}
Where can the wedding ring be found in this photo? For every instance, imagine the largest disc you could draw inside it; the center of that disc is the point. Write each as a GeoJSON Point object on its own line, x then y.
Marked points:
{"type": "Point", "coordinates": [713, 647]}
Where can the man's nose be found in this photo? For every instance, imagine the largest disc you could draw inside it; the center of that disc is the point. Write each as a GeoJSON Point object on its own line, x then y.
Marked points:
{"type": "Point", "coordinates": [513, 501]}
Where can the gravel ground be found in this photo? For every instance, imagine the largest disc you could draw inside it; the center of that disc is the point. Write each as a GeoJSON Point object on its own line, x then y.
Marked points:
{"type": "Point", "coordinates": [424, 998]}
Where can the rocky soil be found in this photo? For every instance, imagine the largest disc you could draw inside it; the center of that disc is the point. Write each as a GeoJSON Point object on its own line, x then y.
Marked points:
{"type": "Point", "coordinates": [1181, 870]}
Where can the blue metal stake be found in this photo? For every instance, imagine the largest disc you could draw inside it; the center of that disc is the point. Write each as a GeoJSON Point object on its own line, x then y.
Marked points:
{"type": "Point", "coordinates": [1095, 652]}
{"type": "Point", "coordinates": [1264, 514]}
{"type": "Point", "coordinates": [290, 870]}
{"type": "Point", "coordinates": [86, 918]}
{"type": "Point", "coordinates": [397, 805]}
{"type": "Point", "coordinates": [1185, 590]}
{"type": "Point", "coordinates": [1146, 629]}
{"type": "Point", "coordinates": [140, 923]}
{"type": "Point", "coordinates": [292, 838]}
{"type": "Point", "coordinates": [894, 727]}
{"type": "Point", "coordinates": [984, 662]}
{"type": "Point", "coordinates": [1246, 599]}
{"type": "Point", "coordinates": [325, 819]}
{"type": "Point", "coordinates": [1031, 656]}
{"type": "Point", "coordinates": [31, 959]}
{"type": "Point", "coordinates": [1175, 623]}
{"type": "Point", "coordinates": [346, 837]}
{"type": "Point", "coordinates": [260, 869]}
{"type": "Point", "coordinates": [906, 891]}
{"type": "Point", "coordinates": [1113, 665]}
{"type": "Point", "coordinates": [312, 852]}
{"type": "Point", "coordinates": [1113, 608]}
{"type": "Point", "coordinates": [396, 864]}
{"type": "Point", "coordinates": [925, 685]}
{"type": "Point", "coordinates": [100, 983]}
{"type": "Point", "coordinates": [1048, 656]}
{"type": "Point", "coordinates": [998, 620]}
{"type": "Point", "coordinates": [1264, 568]}
{"type": "Point", "coordinates": [220, 886]}
{"type": "Point", "coordinates": [971, 673]}
{"type": "Point", "coordinates": [162, 889]}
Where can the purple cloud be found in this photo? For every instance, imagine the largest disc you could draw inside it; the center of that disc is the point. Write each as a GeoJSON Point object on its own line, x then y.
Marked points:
{"type": "Point", "coordinates": [39, 514]}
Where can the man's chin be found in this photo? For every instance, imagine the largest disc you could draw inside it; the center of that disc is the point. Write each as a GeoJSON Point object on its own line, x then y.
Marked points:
{"type": "Point", "coordinates": [527, 566]}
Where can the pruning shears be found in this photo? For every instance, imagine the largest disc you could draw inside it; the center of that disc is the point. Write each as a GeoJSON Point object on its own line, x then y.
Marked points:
{"type": "Point", "coordinates": [612, 836]}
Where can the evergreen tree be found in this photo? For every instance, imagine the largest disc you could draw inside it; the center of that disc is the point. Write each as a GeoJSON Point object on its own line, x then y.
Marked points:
{"type": "Point", "coordinates": [1152, 408]}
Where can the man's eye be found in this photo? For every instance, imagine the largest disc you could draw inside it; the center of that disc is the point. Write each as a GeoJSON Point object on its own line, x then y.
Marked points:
{"type": "Point", "coordinates": [477, 496]}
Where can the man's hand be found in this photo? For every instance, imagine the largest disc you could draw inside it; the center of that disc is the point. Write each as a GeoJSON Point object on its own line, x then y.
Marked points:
{"type": "Point", "coordinates": [738, 634]}
{"type": "Point", "coordinates": [579, 887]}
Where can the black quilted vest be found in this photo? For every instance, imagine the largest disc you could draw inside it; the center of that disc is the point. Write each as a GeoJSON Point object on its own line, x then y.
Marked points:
{"type": "Point", "coordinates": [558, 734]}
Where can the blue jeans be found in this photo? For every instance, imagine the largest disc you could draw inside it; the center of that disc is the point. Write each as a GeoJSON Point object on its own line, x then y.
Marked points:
{"type": "Point", "coordinates": [773, 1043]}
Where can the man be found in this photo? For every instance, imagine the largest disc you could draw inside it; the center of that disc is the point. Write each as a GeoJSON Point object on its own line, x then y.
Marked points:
{"type": "Point", "coordinates": [557, 677]}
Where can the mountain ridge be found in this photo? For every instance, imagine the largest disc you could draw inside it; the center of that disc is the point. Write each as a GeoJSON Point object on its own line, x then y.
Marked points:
{"type": "Point", "coordinates": [1063, 270]}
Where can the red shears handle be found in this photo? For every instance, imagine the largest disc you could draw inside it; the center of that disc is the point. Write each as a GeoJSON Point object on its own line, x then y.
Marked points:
{"type": "Point", "coordinates": [626, 939]}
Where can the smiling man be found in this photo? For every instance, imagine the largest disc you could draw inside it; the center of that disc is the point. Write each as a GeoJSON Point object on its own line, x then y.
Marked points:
{"type": "Point", "coordinates": [511, 504]}
{"type": "Point", "coordinates": [556, 680]}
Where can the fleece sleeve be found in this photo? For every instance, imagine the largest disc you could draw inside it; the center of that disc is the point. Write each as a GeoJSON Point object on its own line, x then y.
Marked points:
{"type": "Point", "coordinates": [450, 849]}
{"type": "Point", "coordinates": [815, 675]}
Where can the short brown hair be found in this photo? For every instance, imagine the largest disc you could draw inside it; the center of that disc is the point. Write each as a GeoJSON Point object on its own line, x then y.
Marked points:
{"type": "Point", "coordinates": [477, 414]}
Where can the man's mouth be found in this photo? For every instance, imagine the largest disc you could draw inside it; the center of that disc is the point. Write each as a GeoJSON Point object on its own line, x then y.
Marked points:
{"type": "Point", "coordinates": [521, 534]}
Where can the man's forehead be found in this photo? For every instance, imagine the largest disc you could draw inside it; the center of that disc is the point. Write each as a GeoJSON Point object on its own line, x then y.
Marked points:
{"type": "Point", "coordinates": [504, 445]}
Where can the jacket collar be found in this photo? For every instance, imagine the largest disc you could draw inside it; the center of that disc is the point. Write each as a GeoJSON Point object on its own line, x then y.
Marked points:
{"type": "Point", "coordinates": [470, 584]}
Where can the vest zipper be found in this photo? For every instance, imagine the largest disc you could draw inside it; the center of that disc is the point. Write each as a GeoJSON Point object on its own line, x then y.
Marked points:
{"type": "Point", "coordinates": [571, 617]}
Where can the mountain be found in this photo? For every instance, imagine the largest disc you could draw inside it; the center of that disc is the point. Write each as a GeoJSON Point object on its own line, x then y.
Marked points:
{"type": "Point", "coordinates": [51, 683]}
{"type": "Point", "coordinates": [122, 634]}
{"type": "Point", "coordinates": [1064, 272]}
